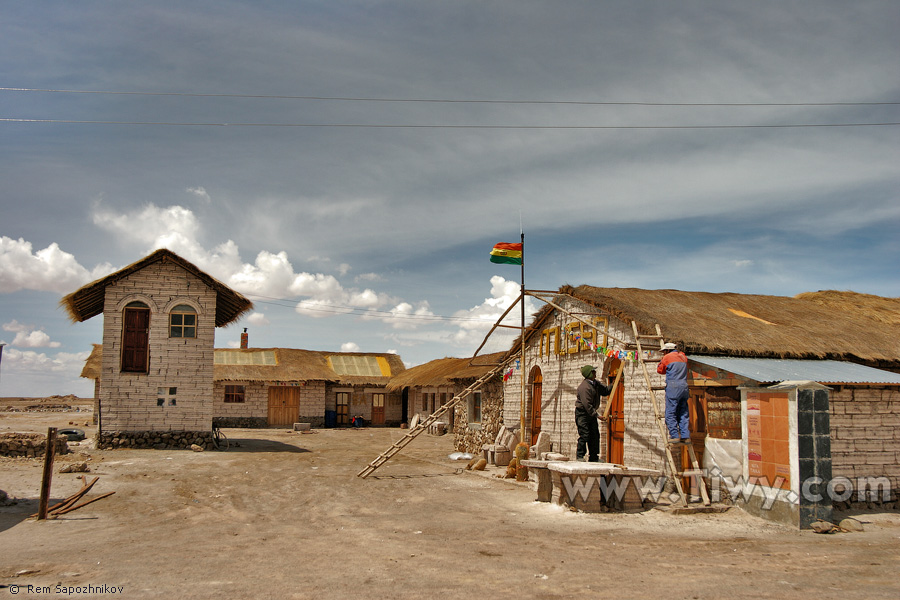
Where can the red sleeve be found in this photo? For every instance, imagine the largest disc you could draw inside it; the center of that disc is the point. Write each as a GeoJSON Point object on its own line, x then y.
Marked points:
{"type": "Point", "coordinates": [661, 367]}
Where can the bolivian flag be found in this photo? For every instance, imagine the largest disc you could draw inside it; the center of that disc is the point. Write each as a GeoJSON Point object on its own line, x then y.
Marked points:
{"type": "Point", "coordinates": [508, 254]}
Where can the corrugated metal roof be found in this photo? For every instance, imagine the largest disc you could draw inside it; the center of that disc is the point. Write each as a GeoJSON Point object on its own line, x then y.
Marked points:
{"type": "Point", "coordinates": [767, 370]}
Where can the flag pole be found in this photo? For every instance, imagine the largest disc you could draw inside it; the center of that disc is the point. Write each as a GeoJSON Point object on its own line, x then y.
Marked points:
{"type": "Point", "coordinates": [522, 337]}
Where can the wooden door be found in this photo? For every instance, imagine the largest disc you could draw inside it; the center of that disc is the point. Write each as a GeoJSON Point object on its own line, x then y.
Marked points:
{"type": "Point", "coordinates": [537, 383]}
{"type": "Point", "coordinates": [615, 427]}
{"type": "Point", "coordinates": [377, 409]}
{"type": "Point", "coordinates": [698, 425]}
{"type": "Point", "coordinates": [136, 340]}
{"type": "Point", "coordinates": [343, 408]}
{"type": "Point", "coordinates": [284, 406]}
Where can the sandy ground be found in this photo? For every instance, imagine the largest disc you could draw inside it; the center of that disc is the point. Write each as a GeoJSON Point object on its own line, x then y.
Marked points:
{"type": "Point", "coordinates": [283, 515]}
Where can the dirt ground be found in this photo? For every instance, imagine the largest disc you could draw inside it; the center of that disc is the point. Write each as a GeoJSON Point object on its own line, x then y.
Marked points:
{"type": "Point", "coordinates": [283, 515]}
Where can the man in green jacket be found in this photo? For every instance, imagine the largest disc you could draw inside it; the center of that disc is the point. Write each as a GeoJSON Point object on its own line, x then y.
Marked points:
{"type": "Point", "coordinates": [587, 401]}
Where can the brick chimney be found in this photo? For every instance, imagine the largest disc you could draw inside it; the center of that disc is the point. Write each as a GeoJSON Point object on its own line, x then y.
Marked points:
{"type": "Point", "coordinates": [245, 340]}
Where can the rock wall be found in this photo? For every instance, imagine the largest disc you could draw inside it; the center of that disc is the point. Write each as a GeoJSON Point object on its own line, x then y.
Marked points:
{"type": "Point", "coordinates": [29, 445]}
{"type": "Point", "coordinates": [159, 440]}
{"type": "Point", "coordinates": [243, 422]}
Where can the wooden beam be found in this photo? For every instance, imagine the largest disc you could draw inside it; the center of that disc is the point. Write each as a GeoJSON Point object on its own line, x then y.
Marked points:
{"type": "Point", "coordinates": [49, 453]}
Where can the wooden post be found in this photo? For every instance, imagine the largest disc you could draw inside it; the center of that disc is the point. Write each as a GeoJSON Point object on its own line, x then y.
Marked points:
{"type": "Point", "coordinates": [49, 453]}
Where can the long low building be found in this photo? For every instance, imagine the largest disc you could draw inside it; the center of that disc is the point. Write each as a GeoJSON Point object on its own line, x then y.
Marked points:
{"type": "Point", "coordinates": [787, 394]}
{"type": "Point", "coordinates": [277, 387]}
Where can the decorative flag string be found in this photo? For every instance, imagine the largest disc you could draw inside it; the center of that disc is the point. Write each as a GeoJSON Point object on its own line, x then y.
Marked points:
{"type": "Point", "coordinates": [610, 352]}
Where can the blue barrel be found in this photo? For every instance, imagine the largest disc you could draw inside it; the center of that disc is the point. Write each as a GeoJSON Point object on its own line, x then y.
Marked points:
{"type": "Point", "coordinates": [330, 418]}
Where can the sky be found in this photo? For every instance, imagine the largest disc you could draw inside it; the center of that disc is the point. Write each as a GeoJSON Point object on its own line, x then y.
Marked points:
{"type": "Point", "coordinates": [348, 166]}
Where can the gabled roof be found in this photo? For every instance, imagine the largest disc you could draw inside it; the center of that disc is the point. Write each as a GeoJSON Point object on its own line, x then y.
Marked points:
{"type": "Point", "coordinates": [446, 371]}
{"type": "Point", "coordinates": [87, 301]}
{"type": "Point", "coordinates": [819, 325]}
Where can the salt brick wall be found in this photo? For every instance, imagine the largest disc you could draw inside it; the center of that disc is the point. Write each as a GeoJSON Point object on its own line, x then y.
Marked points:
{"type": "Point", "coordinates": [865, 434]}
{"type": "Point", "coordinates": [255, 405]}
{"type": "Point", "coordinates": [312, 401]}
{"type": "Point", "coordinates": [128, 400]}
{"type": "Point", "coordinates": [361, 401]}
{"type": "Point", "coordinates": [256, 400]}
{"type": "Point", "coordinates": [561, 373]}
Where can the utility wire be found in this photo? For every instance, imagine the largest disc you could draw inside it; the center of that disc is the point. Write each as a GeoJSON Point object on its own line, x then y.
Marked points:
{"type": "Point", "coordinates": [441, 100]}
{"type": "Point", "coordinates": [469, 126]}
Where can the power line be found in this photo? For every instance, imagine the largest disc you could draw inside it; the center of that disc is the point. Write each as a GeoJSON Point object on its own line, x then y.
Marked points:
{"type": "Point", "coordinates": [437, 126]}
{"type": "Point", "coordinates": [439, 100]}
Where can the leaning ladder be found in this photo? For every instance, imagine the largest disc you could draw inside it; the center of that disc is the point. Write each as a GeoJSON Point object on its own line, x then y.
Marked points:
{"type": "Point", "coordinates": [695, 470]}
{"type": "Point", "coordinates": [427, 422]}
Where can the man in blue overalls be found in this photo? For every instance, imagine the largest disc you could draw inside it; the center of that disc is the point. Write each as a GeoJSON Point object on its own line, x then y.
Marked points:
{"type": "Point", "coordinates": [674, 365]}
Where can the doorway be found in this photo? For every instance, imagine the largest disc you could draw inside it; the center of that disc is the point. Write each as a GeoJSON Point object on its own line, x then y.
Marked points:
{"type": "Point", "coordinates": [284, 406]}
{"type": "Point", "coordinates": [615, 426]}
{"type": "Point", "coordinates": [537, 381]}
{"type": "Point", "coordinates": [342, 403]}
{"type": "Point", "coordinates": [377, 409]}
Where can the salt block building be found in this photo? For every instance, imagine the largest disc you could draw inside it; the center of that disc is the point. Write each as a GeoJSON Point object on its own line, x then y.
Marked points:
{"type": "Point", "coordinates": [794, 401]}
{"type": "Point", "coordinates": [155, 380]}
{"type": "Point", "coordinates": [277, 387]}
{"type": "Point", "coordinates": [427, 387]}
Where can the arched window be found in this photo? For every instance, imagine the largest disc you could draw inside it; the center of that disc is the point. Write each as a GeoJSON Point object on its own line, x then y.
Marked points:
{"type": "Point", "coordinates": [183, 322]}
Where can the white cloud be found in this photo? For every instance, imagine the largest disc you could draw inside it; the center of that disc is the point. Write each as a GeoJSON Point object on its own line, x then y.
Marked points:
{"type": "Point", "coordinates": [28, 337]}
{"type": "Point", "coordinates": [349, 347]}
{"type": "Point", "coordinates": [50, 269]}
{"type": "Point", "coordinates": [406, 316]}
{"type": "Point", "coordinates": [271, 274]}
{"type": "Point", "coordinates": [200, 192]}
{"type": "Point", "coordinates": [173, 227]}
{"type": "Point", "coordinates": [257, 318]}
{"type": "Point", "coordinates": [39, 362]}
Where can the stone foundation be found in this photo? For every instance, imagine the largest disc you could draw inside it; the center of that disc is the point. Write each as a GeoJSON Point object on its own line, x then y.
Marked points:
{"type": "Point", "coordinates": [29, 445]}
{"type": "Point", "coordinates": [315, 422]}
{"type": "Point", "coordinates": [159, 440]}
{"type": "Point", "coordinates": [241, 422]}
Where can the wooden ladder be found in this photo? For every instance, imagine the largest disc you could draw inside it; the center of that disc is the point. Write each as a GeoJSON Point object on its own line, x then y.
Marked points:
{"type": "Point", "coordinates": [695, 470]}
{"type": "Point", "coordinates": [427, 422]}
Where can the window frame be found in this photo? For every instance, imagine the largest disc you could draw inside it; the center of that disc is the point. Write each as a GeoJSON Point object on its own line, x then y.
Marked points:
{"type": "Point", "coordinates": [474, 409]}
{"type": "Point", "coordinates": [235, 394]}
{"type": "Point", "coordinates": [182, 312]}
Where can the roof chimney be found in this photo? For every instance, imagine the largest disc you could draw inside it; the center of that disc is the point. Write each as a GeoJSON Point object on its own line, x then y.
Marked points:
{"type": "Point", "coordinates": [245, 340]}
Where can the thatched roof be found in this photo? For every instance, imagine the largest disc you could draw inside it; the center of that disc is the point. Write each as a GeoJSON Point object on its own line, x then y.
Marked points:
{"type": "Point", "coordinates": [288, 364]}
{"type": "Point", "coordinates": [446, 371]}
{"type": "Point", "coordinates": [87, 301]}
{"type": "Point", "coordinates": [305, 365]}
{"type": "Point", "coordinates": [94, 363]}
{"type": "Point", "coordinates": [834, 325]}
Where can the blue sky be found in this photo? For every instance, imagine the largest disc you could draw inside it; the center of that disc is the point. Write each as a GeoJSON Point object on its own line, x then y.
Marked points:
{"type": "Point", "coordinates": [376, 151]}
